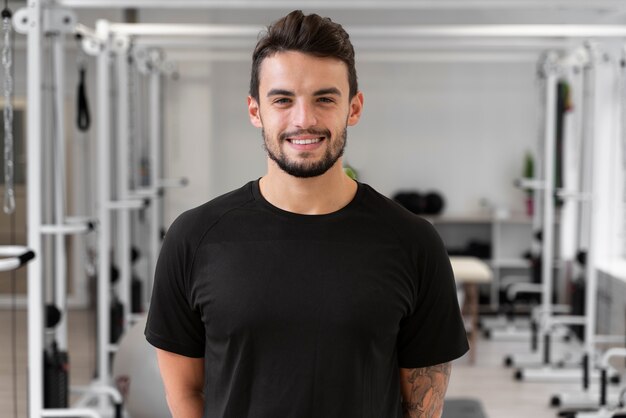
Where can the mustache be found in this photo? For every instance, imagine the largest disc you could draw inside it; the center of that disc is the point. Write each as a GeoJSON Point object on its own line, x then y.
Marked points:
{"type": "Point", "coordinates": [318, 132]}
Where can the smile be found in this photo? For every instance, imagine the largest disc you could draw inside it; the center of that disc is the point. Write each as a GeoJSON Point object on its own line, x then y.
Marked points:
{"type": "Point", "coordinates": [306, 141]}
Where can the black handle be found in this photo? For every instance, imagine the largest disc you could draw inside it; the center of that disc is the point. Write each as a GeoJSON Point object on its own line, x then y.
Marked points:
{"type": "Point", "coordinates": [26, 257]}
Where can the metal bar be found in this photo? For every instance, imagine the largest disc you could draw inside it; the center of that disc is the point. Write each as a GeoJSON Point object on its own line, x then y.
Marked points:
{"type": "Point", "coordinates": [155, 173]}
{"type": "Point", "coordinates": [123, 223]}
{"type": "Point", "coordinates": [12, 263]}
{"type": "Point", "coordinates": [125, 204]}
{"type": "Point", "coordinates": [74, 412]}
{"type": "Point", "coordinates": [609, 339]}
{"type": "Point", "coordinates": [371, 56]}
{"type": "Point", "coordinates": [378, 32]}
{"type": "Point", "coordinates": [432, 44]}
{"type": "Point", "coordinates": [103, 193]}
{"type": "Point", "coordinates": [92, 389]}
{"type": "Point", "coordinates": [172, 183]}
{"type": "Point", "coordinates": [12, 250]}
{"type": "Point", "coordinates": [568, 320]}
{"type": "Point", "coordinates": [353, 5]}
{"type": "Point", "coordinates": [609, 354]}
{"type": "Point", "coordinates": [591, 272]}
{"type": "Point", "coordinates": [34, 215]}
{"type": "Point", "coordinates": [60, 253]}
{"type": "Point", "coordinates": [64, 229]}
{"type": "Point", "coordinates": [547, 250]}
{"type": "Point", "coordinates": [9, 264]}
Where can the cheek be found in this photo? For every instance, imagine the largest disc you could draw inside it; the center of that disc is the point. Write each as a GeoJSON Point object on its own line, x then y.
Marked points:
{"type": "Point", "coordinates": [272, 120]}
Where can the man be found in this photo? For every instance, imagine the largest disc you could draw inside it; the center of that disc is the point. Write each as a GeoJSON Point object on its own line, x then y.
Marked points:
{"type": "Point", "coordinates": [305, 293]}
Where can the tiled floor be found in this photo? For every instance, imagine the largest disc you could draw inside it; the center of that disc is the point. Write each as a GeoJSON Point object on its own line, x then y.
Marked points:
{"type": "Point", "coordinates": [487, 380]}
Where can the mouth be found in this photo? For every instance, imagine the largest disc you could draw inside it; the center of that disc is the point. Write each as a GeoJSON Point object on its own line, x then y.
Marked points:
{"type": "Point", "coordinates": [306, 141]}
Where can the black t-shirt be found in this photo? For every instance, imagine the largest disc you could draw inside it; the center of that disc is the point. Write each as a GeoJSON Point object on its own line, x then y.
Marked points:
{"type": "Point", "coordinates": [304, 316]}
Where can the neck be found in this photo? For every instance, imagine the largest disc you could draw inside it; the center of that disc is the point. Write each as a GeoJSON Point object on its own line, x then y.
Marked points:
{"type": "Point", "coordinates": [308, 196]}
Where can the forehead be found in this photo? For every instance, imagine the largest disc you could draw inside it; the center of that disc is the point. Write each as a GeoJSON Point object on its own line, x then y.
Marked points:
{"type": "Point", "coordinates": [297, 71]}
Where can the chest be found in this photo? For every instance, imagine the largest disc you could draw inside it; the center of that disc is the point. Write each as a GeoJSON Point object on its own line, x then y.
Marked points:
{"type": "Point", "coordinates": [302, 287]}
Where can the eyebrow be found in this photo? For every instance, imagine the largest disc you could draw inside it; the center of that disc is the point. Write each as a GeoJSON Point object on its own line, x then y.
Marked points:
{"type": "Point", "coordinates": [280, 92]}
{"type": "Point", "coordinates": [321, 92]}
{"type": "Point", "coordinates": [330, 90]}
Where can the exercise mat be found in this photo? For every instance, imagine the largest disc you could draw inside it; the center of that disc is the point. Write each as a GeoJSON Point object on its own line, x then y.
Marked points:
{"type": "Point", "coordinates": [463, 408]}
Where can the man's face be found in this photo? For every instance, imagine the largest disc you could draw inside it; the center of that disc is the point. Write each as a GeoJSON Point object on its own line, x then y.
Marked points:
{"type": "Point", "coordinates": [303, 110]}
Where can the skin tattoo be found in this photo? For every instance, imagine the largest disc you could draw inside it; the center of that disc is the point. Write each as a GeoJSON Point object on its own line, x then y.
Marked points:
{"type": "Point", "coordinates": [426, 390]}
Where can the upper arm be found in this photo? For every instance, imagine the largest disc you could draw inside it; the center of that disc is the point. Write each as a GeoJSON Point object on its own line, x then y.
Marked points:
{"type": "Point", "coordinates": [423, 390]}
{"type": "Point", "coordinates": [182, 376]}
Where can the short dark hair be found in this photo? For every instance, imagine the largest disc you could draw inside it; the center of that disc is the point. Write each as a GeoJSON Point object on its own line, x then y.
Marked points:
{"type": "Point", "coordinates": [309, 34]}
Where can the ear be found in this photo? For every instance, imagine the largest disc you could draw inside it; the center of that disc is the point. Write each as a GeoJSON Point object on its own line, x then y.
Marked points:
{"type": "Point", "coordinates": [254, 112]}
{"type": "Point", "coordinates": [356, 107]}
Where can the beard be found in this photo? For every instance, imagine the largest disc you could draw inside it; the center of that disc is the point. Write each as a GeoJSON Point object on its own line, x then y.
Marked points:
{"type": "Point", "coordinates": [307, 169]}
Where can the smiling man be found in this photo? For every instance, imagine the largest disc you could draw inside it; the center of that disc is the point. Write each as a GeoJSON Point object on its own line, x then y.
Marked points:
{"type": "Point", "coordinates": [304, 293]}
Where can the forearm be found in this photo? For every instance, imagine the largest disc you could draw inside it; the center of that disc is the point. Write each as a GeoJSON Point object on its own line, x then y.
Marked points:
{"type": "Point", "coordinates": [183, 381]}
{"type": "Point", "coordinates": [187, 406]}
{"type": "Point", "coordinates": [423, 390]}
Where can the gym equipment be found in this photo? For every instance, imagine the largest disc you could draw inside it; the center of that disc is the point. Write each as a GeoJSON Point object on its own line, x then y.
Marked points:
{"type": "Point", "coordinates": [56, 364]}
{"type": "Point", "coordinates": [34, 21]}
{"type": "Point", "coordinates": [431, 203]}
{"type": "Point", "coordinates": [603, 408]}
{"type": "Point", "coordinates": [547, 320]}
{"type": "Point", "coordinates": [410, 200]}
{"type": "Point", "coordinates": [117, 320]}
{"type": "Point", "coordinates": [586, 398]}
{"type": "Point", "coordinates": [7, 66]}
{"type": "Point", "coordinates": [136, 374]}
{"type": "Point", "coordinates": [83, 116]}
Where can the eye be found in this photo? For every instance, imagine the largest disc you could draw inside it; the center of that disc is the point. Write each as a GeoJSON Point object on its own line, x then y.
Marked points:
{"type": "Point", "coordinates": [282, 100]}
{"type": "Point", "coordinates": [326, 100]}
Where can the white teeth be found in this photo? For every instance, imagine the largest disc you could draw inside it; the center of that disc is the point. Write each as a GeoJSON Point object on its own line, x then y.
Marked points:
{"type": "Point", "coordinates": [305, 141]}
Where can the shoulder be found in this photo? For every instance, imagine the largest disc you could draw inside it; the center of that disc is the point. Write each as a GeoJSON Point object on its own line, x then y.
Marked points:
{"type": "Point", "coordinates": [405, 223]}
{"type": "Point", "coordinates": [194, 223]}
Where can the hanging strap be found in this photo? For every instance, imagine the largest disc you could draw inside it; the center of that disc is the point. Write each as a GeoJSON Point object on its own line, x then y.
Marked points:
{"type": "Point", "coordinates": [83, 120]}
{"type": "Point", "coordinates": [83, 117]}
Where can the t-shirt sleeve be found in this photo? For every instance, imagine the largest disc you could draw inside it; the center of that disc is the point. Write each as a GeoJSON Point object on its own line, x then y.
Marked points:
{"type": "Point", "coordinates": [434, 332]}
{"type": "Point", "coordinates": [173, 324]}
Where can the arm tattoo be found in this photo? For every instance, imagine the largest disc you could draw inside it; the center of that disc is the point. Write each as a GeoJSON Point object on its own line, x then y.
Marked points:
{"type": "Point", "coordinates": [423, 390]}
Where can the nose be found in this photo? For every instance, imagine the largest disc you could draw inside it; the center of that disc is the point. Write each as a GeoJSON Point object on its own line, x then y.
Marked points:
{"type": "Point", "coordinates": [304, 115]}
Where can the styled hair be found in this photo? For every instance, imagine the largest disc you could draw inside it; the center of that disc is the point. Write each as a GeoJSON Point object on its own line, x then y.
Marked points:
{"type": "Point", "coordinates": [309, 34]}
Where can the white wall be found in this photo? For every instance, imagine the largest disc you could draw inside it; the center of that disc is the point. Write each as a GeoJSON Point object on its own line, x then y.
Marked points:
{"type": "Point", "coordinates": [188, 138]}
{"type": "Point", "coordinates": [461, 129]}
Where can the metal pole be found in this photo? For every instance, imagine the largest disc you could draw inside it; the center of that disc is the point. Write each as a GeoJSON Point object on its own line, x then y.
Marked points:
{"type": "Point", "coordinates": [155, 175]}
{"type": "Point", "coordinates": [591, 292]}
{"type": "Point", "coordinates": [351, 5]}
{"type": "Point", "coordinates": [103, 198]}
{"type": "Point", "coordinates": [123, 220]}
{"type": "Point", "coordinates": [59, 189]}
{"type": "Point", "coordinates": [548, 197]}
{"type": "Point", "coordinates": [33, 195]}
